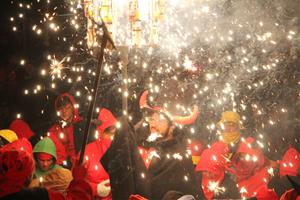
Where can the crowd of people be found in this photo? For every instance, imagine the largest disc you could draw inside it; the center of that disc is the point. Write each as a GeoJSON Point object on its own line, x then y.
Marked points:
{"type": "Point", "coordinates": [153, 159]}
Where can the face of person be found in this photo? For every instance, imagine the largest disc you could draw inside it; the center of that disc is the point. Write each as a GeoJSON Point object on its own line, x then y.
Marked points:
{"type": "Point", "coordinates": [159, 124]}
{"type": "Point", "coordinates": [109, 132]}
{"type": "Point", "coordinates": [66, 112]}
{"type": "Point", "coordinates": [229, 127]}
{"type": "Point", "coordinates": [45, 164]}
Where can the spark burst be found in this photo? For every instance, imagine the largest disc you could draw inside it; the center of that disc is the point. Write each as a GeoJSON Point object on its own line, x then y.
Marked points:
{"type": "Point", "coordinates": [57, 67]}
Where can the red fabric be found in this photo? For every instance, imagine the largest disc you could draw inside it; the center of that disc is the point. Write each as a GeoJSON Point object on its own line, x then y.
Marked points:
{"type": "Point", "coordinates": [196, 148]}
{"type": "Point", "coordinates": [96, 173]}
{"type": "Point", "coordinates": [77, 190]}
{"type": "Point", "coordinates": [146, 155]}
{"type": "Point", "coordinates": [107, 120]}
{"type": "Point", "coordinates": [290, 163]}
{"type": "Point", "coordinates": [266, 194]}
{"type": "Point", "coordinates": [95, 150]}
{"type": "Point", "coordinates": [44, 156]}
{"type": "Point", "coordinates": [64, 141]}
{"type": "Point", "coordinates": [16, 167]}
{"type": "Point", "coordinates": [21, 144]}
{"type": "Point", "coordinates": [63, 138]}
{"type": "Point", "coordinates": [290, 195]}
{"type": "Point", "coordinates": [251, 174]}
{"type": "Point", "coordinates": [21, 128]}
{"type": "Point", "coordinates": [214, 161]}
{"type": "Point", "coordinates": [246, 168]}
{"type": "Point", "coordinates": [254, 183]}
{"type": "Point", "coordinates": [214, 158]}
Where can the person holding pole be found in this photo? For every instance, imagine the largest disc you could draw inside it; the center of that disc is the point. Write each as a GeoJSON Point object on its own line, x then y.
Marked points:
{"type": "Point", "coordinates": [155, 166]}
{"type": "Point", "coordinates": [97, 176]}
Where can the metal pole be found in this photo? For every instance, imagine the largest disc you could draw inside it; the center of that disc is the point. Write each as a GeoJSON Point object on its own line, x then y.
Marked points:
{"type": "Point", "coordinates": [124, 58]}
{"type": "Point", "coordinates": [105, 39]}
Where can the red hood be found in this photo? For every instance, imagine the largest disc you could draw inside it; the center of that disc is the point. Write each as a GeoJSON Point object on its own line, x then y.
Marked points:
{"type": "Point", "coordinates": [107, 119]}
{"type": "Point", "coordinates": [22, 144]}
{"type": "Point", "coordinates": [196, 148]}
{"type": "Point", "coordinates": [290, 163]}
{"type": "Point", "coordinates": [76, 116]}
{"type": "Point", "coordinates": [16, 168]}
{"type": "Point", "coordinates": [252, 166]}
{"type": "Point", "coordinates": [21, 128]}
{"type": "Point", "coordinates": [213, 160]}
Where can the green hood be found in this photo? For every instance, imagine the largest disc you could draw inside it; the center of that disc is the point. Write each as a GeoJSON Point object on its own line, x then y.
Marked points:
{"type": "Point", "coordinates": [45, 145]}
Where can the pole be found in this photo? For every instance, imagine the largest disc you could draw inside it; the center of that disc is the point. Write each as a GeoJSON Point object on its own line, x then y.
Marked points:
{"type": "Point", "coordinates": [124, 58]}
{"type": "Point", "coordinates": [105, 39]}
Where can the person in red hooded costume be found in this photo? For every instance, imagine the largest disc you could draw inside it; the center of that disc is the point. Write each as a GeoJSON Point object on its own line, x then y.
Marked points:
{"type": "Point", "coordinates": [213, 164]}
{"type": "Point", "coordinates": [97, 176]}
{"type": "Point", "coordinates": [67, 133]}
{"type": "Point", "coordinates": [16, 170]}
{"type": "Point", "coordinates": [23, 130]}
{"type": "Point", "coordinates": [289, 165]}
{"type": "Point", "coordinates": [251, 170]}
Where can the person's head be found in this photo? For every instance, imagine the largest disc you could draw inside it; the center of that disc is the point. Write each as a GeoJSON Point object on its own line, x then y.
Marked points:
{"type": "Point", "coordinates": [230, 122]}
{"type": "Point", "coordinates": [159, 123]}
{"type": "Point", "coordinates": [44, 161]}
{"type": "Point", "coordinates": [7, 136]}
{"type": "Point", "coordinates": [16, 167]}
{"type": "Point", "coordinates": [248, 158]}
{"type": "Point", "coordinates": [45, 154]}
{"type": "Point", "coordinates": [107, 121]}
{"type": "Point", "coordinates": [65, 108]}
{"type": "Point", "coordinates": [109, 132]}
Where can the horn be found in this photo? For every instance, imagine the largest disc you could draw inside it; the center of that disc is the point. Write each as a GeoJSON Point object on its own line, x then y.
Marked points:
{"type": "Point", "coordinates": [143, 102]}
{"type": "Point", "coordinates": [186, 120]}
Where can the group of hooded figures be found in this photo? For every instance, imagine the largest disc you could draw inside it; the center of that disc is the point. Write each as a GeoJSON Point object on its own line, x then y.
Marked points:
{"type": "Point", "coordinates": [153, 159]}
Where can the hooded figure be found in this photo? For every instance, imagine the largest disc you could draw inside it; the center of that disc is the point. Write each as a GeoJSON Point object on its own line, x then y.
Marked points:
{"type": "Point", "coordinates": [44, 153]}
{"type": "Point", "coordinates": [230, 127]}
{"type": "Point", "coordinates": [21, 128]}
{"type": "Point", "coordinates": [293, 193]}
{"type": "Point", "coordinates": [67, 134]}
{"type": "Point", "coordinates": [290, 163]}
{"type": "Point", "coordinates": [7, 136]}
{"type": "Point", "coordinates": [213, 165]}
{"type": "Point", "coordinates": [97, 176]}
{"type": "Point", "coordinates": [162, 164]}
{"type": "Point", "coordinates": [250, 168]}
{"type": "Point", "coordinates": [288, 166]}
{"type": "Point", "coordinates": [16, 169]}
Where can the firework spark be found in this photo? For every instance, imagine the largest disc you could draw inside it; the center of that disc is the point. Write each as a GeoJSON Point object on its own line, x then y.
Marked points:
{"type": "Point", "coordinates": [57, 67]}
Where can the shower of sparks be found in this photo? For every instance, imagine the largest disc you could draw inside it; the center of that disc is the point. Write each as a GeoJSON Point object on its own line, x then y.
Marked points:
{"type": "Point", "coordinates": [233, 55]}
{"type": "Point", "coordinates": [214, 186]}
{"type": "Point", "coordinates": [57, 67]}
